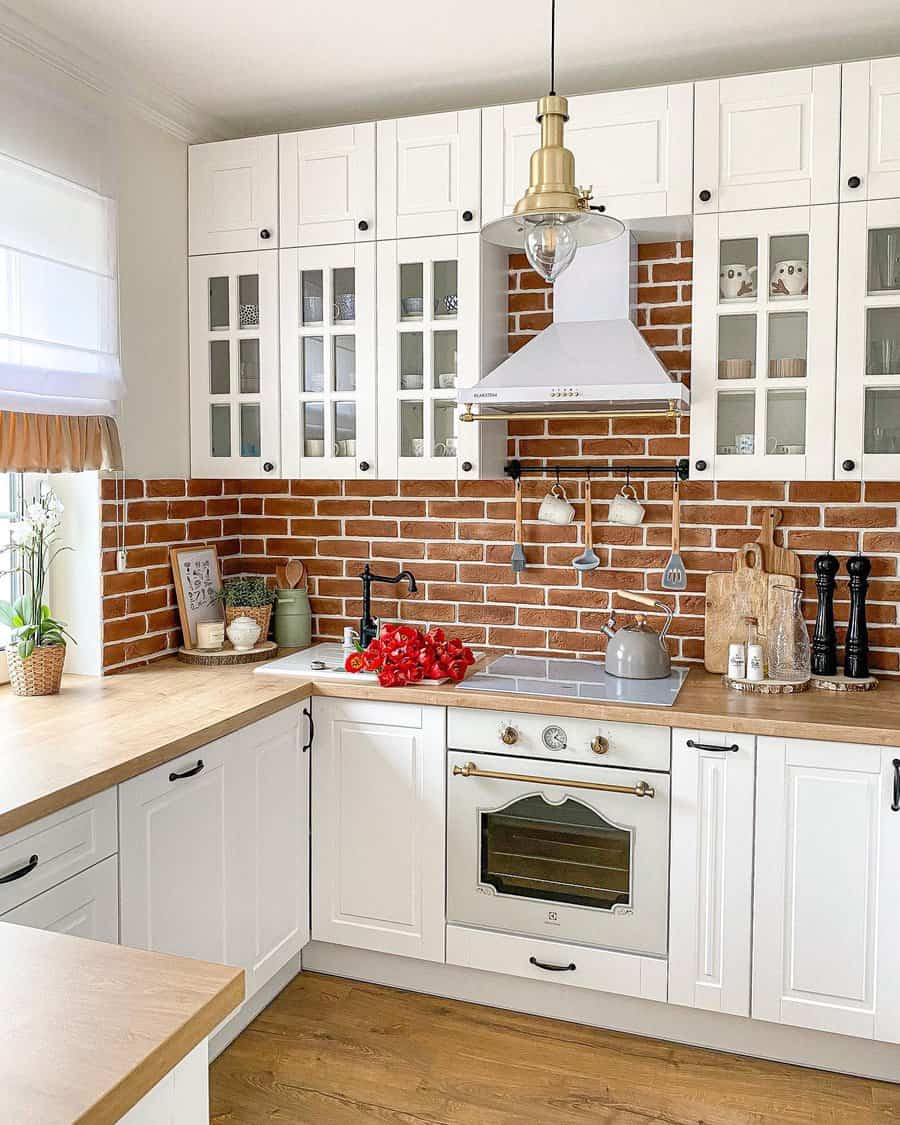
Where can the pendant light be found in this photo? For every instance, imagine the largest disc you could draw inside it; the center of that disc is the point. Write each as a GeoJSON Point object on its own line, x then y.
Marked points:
{"type": "Point", "coordinates": [554, 217]}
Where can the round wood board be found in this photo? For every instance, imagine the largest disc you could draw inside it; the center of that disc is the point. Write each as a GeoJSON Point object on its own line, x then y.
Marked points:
{"type": "Point", "coordinates": [228, 655]}
{"type": "Point", "coordinates": [840, 682]}
{"type": "Point", "coordinates": [767, 687]}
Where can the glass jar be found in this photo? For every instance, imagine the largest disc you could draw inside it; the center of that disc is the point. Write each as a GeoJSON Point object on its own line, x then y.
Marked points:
{"type": "Point", "coordinates": [788, 642]}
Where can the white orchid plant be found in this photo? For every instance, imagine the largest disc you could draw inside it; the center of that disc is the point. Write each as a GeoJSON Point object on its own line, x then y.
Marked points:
{"type": "Point", "coordinates": [34, 548]}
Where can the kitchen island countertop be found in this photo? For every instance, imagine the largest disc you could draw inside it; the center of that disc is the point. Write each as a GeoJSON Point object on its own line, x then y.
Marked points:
{"type": "Point", "coordinates": [98, 732]}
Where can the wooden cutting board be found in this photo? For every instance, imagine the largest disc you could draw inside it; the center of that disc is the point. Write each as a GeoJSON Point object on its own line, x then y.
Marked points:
{"type": "Point", "coordinates": [732, 597]}
{"type": "Point", "coordinates": [777, 560]}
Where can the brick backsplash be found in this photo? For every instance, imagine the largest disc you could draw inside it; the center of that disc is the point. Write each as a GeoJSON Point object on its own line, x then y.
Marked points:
{"type": "Point", "coordinates": [457, 537]}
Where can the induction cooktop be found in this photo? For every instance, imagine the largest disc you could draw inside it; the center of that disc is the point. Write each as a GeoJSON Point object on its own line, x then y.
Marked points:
{"type": "Point", "coordinates": [572, 679]}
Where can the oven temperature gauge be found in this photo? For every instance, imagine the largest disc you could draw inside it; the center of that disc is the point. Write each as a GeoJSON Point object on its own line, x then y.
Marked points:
{"type": "Point", "coordinates": [554, 738]}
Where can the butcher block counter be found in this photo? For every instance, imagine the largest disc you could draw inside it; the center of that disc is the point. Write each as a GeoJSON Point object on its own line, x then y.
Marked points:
{"type": "Point", "coordinates": [99, 732]}
{"type": "Point", "coordinates": [87, 1029]}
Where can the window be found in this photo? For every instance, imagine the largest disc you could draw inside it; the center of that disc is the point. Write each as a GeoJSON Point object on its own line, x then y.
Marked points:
{"type": "Point", "coordinates": [7, 515]}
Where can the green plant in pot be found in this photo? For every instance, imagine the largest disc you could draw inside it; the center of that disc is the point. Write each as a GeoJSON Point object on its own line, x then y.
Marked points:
{"type": "Point", "coordinates": [248, 596]}
{"type": "Point", "coordinates": [38, 649]}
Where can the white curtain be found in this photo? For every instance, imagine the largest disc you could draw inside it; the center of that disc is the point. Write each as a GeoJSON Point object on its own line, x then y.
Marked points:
{"type": "Point", "coordinates": [59, 349]}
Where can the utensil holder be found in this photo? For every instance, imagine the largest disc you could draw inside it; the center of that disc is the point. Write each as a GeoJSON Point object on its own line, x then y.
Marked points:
{"type": "Point", "coordinates": [293, 619]}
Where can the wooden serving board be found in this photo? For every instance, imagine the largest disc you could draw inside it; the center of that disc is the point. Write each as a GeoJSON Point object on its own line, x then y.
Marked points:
{"type": "Point", "coordinates": [776, 560]}
{"type": "Point", "coordinates": [730, 598]}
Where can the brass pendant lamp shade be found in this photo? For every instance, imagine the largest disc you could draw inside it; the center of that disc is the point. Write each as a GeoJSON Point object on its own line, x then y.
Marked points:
{"type": "Point", "coordinates": [554, 217]}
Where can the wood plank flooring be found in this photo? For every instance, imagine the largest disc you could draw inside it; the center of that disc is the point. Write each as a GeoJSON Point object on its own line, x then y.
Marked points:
{"type": "Point", "coordinates": [335, 1052]}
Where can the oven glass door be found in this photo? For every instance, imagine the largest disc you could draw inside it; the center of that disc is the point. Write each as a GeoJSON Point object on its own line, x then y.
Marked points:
{"type": "Point", "coordinates": [564, 862]}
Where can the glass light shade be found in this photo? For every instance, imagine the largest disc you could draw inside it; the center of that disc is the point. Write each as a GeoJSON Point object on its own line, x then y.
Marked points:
{"type": "Point", "coordinates": [550, 247]}
{"type": "Point", "coordinates": [586, 228]}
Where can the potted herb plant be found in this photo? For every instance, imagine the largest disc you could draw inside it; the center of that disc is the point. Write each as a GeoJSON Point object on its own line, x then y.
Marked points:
{"type": "Point", "coordinates": [248, 596]}
{"type": "Point", "coordinates": [38, 648]}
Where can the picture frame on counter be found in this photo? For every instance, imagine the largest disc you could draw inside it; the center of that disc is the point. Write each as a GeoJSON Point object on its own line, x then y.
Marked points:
{"type": "Point", "coordinates": [198, 588]}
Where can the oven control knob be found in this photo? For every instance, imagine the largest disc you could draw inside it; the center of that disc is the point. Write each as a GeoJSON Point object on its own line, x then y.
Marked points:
{"type": "Point", "coordinates": [509, 735]}
{"type": "Point", "coordinates": [599, 744]}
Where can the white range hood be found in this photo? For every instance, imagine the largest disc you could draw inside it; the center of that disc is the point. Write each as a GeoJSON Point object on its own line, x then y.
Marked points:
{"type": "Point", "coordinates": [592, 358]}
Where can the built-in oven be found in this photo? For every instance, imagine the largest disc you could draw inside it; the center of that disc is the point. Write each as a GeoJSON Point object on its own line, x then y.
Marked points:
{"type": "Point", "coordinates": [559, 828]}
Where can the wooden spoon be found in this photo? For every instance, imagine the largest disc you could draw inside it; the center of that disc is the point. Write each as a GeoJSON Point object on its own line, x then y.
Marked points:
{"type": "Point", "coordinates": [295, 572]}
{"type": "Point", "coordinates": [281, 579]}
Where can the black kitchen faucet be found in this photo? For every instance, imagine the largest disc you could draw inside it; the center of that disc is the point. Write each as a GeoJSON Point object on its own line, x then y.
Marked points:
{"type": "Point", "coordinates": [368, 630]}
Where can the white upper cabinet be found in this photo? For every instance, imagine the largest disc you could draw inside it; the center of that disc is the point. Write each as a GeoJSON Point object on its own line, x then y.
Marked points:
{"type": "Point", "coordinates": [870, 129]}
{"type": "Point", "coordinates": [711, 892]}
{"type": "Point", "coordinates": [763, 357]}
{"type": "Point", "coordinates": [867, 439]}
{"type": "Point", "coordinates": [328, 361]}
{"type": "Point", "coordinates": [327, 185]}
{"type": "Point", "coordinates": [826, 909]}
{"type": "Point", "coordinates": [233, 300]}
{"type": "Point", "coordinates": [429, 175]}
{"type": "Point", "coordinates": [767, 140]}
{"type": "Point", "coordinates": [633, 148]}
{"type": "Point", "coordinates": [233, 196]}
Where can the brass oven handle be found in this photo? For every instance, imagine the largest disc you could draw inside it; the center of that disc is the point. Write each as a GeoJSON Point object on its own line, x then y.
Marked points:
{"type": "Point", "coordinates": [642, 789]}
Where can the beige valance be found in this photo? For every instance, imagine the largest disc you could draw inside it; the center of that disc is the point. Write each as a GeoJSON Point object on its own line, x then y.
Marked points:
{"type": "Point", "coordinates": [57, 443]}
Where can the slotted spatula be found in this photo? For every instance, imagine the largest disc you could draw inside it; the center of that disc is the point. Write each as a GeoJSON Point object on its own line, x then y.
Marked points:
{"type": "Point", "coordinates": [518, 551]}
{"type": "Point", "coordinates": [674, 574]}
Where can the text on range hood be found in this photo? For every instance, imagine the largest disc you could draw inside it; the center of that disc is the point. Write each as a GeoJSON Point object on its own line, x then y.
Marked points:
{"type": "Point", "coordinates": [592, 358]}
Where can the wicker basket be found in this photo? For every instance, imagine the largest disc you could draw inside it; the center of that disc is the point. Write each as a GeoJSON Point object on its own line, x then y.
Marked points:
{"type": "Point", "coordinates": [261, 614]}
{"type": "Point", "coordinates": [40, 674]}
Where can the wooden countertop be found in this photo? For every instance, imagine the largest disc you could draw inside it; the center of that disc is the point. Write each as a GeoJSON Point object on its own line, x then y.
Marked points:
{"type": "Point", "coordinates": [98, 732]}
{"type": "Point", "coordinates": [86, 1029]}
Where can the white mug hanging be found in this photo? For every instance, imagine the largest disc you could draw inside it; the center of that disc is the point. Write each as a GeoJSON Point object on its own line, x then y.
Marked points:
{"type": "Point", "coordinates": [555, 507]}
{"type": "Point", "coordinates": [625, 508]}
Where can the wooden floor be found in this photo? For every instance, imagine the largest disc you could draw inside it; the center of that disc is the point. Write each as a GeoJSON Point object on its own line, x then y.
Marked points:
{"type": "Point", "coordinates": [335, 1052]}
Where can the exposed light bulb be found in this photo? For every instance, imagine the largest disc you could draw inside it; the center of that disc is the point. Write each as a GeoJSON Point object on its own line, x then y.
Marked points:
{"type": "Point", "coordinates": [550, 246]}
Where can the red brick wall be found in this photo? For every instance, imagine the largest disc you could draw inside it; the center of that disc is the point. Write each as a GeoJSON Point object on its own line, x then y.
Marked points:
{"type": "Point", "coordinates": [457, 537]}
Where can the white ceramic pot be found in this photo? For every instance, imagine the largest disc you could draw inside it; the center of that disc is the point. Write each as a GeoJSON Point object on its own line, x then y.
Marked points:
{"type": "Point", "coordinates": [789, 279]}
{"type": "Point", "coordinates": [243, 633]}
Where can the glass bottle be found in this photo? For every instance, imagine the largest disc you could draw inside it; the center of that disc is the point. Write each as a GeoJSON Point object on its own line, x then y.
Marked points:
{"type": "Point", "coordinates": [755, 663]}
{"type": "Point", "coordinates": [788, 645]}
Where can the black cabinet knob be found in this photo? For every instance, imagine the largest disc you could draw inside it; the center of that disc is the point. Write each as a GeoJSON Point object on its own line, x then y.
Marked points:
{"type": "Point", "coordinates": [701, 466]}
{"type": "Point", "coordinates": [268, 467]}
{"type": "Point", "coordinates": [364, 466]}
{"type": "Point", "coordinates": [705, 196]}
{"type": "Point", "coordinates": [848, 466]}
{"type": "Point", "coordinates": [599, 207]}
{"type": "Point", "coordinates": [265, 233]}
{"type": "Point", "coordinates": [468, 216]}
{"type": "Point", "coordinates": [362, 225]}
{"type": "Point", "coordinates": [854, 182]}
{"type": "Point", "coordinates": [466, 466]}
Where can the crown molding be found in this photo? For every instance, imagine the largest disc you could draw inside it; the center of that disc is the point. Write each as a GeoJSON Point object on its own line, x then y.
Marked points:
{"type": "Point", "coordinates": [159, 106]}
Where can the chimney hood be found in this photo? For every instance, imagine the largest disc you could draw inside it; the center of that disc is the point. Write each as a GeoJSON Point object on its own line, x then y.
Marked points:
{"type": "Point", "coordinates": [592, 359]}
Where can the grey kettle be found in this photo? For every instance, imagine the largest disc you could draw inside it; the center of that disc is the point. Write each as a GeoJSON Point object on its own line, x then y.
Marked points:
{"type": "Point", "coordinates": [637, 652]}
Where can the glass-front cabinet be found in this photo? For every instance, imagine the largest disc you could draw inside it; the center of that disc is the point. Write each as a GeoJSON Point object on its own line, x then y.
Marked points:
{"type": "Point", "coordinates": [328, 363]}
{"type": "Point", "coordinates": [867, 434]}
{"type": "Point", "coordinates": [428, 330]}
{"type": "Point", "coordinates": [764, 344]}
{"type": "Point", "coordinates": [234, 365]}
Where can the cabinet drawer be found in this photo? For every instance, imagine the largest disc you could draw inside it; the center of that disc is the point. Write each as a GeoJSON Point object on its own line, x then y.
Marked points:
{"type": "Point", "coordinates": [87, 905]}
{"type": "Point", "coordinates": [626, 974]}
{"type": "Point", "coordinates": [42, 854]}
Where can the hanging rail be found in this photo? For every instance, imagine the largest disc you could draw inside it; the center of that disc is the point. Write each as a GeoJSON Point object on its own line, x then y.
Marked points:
{"type": "Point", "coordinates": [680, 469]}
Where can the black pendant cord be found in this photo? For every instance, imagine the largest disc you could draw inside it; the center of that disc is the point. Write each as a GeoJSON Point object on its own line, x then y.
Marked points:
{"type": "Point", "coordinates": [824, 646]}
{"type": "Point", "coordinates": [856, 655]}
{"type": "Point", "coordinates": [552, 47]}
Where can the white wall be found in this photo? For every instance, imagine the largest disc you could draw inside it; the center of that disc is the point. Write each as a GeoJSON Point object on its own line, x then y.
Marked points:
{"type": "Point", "coordinates": [65, 126]}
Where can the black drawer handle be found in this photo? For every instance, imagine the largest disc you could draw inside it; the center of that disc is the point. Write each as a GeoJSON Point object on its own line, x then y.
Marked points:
{"type": "Point", "coordinates": [732, 749]}
{"type": "Point", "coordinates": [187, 773]}
{"type": "Point", "coordinates": [22, 872]}
{"type": "Point", "coordinates": [570, 968]}
{"type": "Point", "coordinates": [307, 711]}
{"type": "Point", "coordinates": [895, 804]}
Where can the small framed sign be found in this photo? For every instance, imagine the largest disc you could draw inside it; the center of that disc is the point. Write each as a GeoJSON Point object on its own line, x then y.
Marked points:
{"type": "Point", "coordinates": [198, 584]}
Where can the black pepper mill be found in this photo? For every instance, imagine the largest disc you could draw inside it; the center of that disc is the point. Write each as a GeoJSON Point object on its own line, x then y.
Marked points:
{"type": "Point", "coordinates": [856, 654]}
{"type": "Point", "coordinates": [824, 646]}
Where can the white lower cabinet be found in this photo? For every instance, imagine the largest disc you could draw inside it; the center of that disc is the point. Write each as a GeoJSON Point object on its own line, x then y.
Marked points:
{"type": "Point", "coordinates": [213, 851]}
{"type": "Point", "coordinates": [378, 827]}
{"type": "Point", "coordinates": [710, 893]}
{"type": "Point", "coordinates": [826, 908]}
{"type": "Point", "coordinates": [86, 906]}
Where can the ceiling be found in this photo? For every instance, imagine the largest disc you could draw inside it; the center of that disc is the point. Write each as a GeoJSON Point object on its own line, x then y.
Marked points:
{"type": "Point", "coordinates": [275, 65]}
